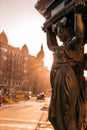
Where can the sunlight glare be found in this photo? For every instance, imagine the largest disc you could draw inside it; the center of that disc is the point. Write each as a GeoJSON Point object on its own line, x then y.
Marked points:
{"type": "Point", "coordinates": [48, 60]}
{"type": "Point", "coordinates": [85, 48]}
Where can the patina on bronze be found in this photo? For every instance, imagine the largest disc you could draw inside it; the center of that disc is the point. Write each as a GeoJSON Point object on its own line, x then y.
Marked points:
{"type": "Point", "coordinates": [67, 21]}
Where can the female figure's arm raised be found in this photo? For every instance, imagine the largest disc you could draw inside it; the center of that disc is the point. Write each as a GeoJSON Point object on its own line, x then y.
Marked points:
{"type": "Point", "coordinates": [79, 24]}
{"type": "Point", "coordinates": [51, 39]}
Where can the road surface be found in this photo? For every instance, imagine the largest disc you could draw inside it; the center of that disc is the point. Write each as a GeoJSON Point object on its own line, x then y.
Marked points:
{"type": "Point", "coordinates": [24, 115]}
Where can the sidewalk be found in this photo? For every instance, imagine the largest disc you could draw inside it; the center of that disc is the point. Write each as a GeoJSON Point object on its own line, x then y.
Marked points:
{"type": "Point", "coordinates": [43, 123]}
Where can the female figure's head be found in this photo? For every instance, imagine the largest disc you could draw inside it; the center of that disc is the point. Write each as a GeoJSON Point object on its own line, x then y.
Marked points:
{"type": "Point", "coordinates": [65, 29]}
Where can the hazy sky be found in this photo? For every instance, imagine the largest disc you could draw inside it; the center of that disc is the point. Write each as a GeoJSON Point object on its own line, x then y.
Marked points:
{"type": "Point", "coordinates": [22, 23]}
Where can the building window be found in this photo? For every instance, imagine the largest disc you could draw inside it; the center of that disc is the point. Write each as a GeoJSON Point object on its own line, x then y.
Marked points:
{"type": "Point", "coordinates": [3, 49]}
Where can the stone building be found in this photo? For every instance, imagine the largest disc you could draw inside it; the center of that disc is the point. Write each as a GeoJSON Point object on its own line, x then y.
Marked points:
{"type": "Point", "coordinates": [21, 71]}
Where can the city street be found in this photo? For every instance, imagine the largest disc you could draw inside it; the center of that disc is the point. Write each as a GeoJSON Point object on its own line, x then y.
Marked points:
{"type": "Point", "coordinates": [24, 115]}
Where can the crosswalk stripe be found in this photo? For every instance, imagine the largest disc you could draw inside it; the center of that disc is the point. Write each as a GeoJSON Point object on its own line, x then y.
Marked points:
{"type": "Point", "coordinates": [24, 121]}
{"type": "Point", "coordinates": [21, 123]}
{"type": "Point", "coordinates": [18, 125]}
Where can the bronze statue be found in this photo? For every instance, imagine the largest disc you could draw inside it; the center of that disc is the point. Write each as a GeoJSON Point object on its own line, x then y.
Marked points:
{"type": "Point", "coordinates": [67, 105]}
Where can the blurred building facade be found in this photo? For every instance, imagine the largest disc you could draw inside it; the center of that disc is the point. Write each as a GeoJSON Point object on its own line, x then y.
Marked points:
{"type": "Point", "coordinates": [21, 71]}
